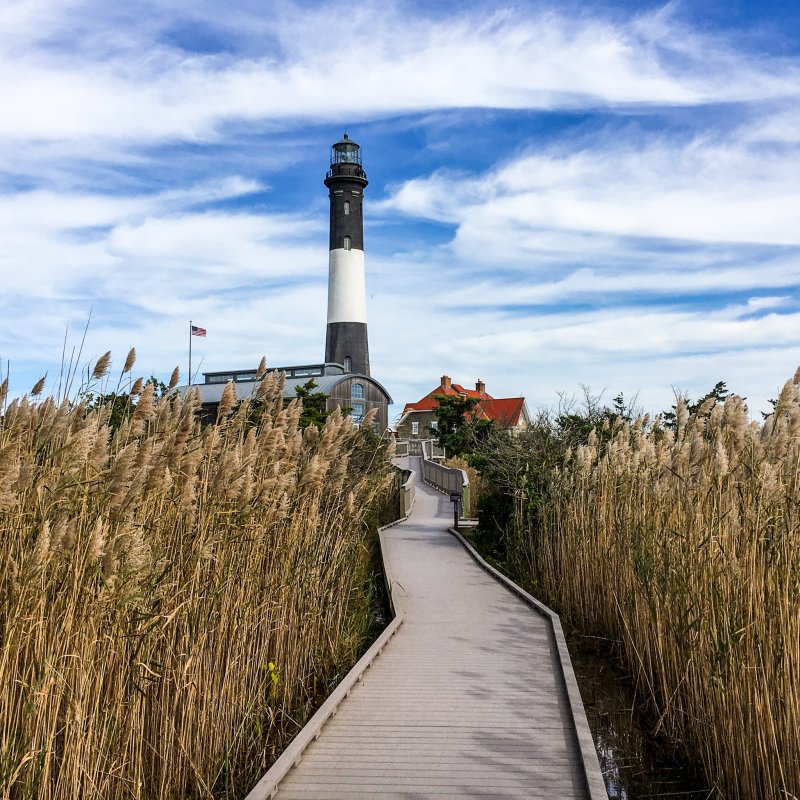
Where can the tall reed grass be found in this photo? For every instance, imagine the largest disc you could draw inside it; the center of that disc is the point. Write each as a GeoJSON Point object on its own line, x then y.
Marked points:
{"type": "Point", "coordinates": [173, 599]}
{"type": "Point", "coordinates": [685, 546]}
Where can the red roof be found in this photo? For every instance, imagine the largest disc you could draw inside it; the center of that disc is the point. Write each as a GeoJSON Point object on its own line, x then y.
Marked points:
{"type": "Point", "coordinates": [505, 410]}
{"type": "Point", "coordinates": [428, 403]}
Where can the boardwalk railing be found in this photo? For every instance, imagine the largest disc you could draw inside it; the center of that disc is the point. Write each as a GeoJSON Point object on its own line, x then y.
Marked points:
{"type": "Point", "coordinates": [446, 479]}
{"type": "Point", "coordinates": [431, 449]}
{"type": "Point", "coordinates": [418, 447]}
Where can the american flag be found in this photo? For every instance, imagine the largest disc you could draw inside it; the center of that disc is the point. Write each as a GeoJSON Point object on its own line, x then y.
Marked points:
{"type": "Point", "coordinates": [198, 331]}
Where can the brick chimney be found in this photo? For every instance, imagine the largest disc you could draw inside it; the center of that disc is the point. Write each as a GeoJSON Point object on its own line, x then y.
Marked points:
{"type": "Point", "coordinates": [446, 382]}
{"type": "Point", "coordinates": [480, 386]}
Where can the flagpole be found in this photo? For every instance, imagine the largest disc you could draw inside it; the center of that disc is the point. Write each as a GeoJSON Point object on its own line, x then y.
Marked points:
{"type": "Point", "coordinates": [190, 352]}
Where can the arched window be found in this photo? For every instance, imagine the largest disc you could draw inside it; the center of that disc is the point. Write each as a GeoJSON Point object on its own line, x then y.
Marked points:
{"type": "Point", "coordinates": [346, 242]}
{"type": "Point", "coordinates": [357, 391]}
{"type": "Point", "coordinates": [348, 364]}
{"type": "Point", "coordinates": [346, 206]}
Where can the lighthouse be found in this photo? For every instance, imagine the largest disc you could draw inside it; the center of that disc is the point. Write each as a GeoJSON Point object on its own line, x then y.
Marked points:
{"type": "Point", "coordinates": [346, 339]}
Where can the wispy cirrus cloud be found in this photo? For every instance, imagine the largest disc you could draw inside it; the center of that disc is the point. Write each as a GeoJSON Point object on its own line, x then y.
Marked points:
{"type": "Point", "coordinates": [64, 77]}
{"type": "Point", "coordinates": [703, 190]}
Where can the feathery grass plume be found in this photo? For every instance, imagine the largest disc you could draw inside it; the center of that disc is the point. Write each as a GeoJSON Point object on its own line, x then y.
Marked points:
{"type": "Point", "coordinates": [58, 535]}
{"type": "Point", "coordinates": [3, 391]}
{"type": "Point", "coordinates": [137, 387]}
{"type": "Point", "coordinates": [41, 550]}
{"type": "Point", "coordinates": [10, 469]}
{"type": "Point", "coordinates": [38, 386]}
{"type": "Point", "coordinates": [262, 368]}
{"type": "Point", "coordinates": [130, 360]}
{"type": "Point", "coordinates": [102, 366]}
{"type": "Point", "coordinates": [174, 378]}
{"type": "Point", "coordinates": [226, 402]}
{"type": "Point", "coordinates": [144, 410]}
{"type": "Point", "coordinates": [97, 541]}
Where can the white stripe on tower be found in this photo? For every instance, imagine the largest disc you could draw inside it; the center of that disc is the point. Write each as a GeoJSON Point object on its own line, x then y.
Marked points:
{"type": "Point", "coordinates": [347, 294]}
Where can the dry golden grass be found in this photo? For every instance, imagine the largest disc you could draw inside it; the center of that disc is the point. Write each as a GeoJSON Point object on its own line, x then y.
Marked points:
{"type": "Point", "coordinates": [149, 578]}
{"type": "Point", "coordinates": [685, 546]}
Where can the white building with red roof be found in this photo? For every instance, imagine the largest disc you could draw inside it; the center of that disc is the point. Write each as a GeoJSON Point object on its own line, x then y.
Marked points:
{"type": "Point", "coordinates": [418, 420]}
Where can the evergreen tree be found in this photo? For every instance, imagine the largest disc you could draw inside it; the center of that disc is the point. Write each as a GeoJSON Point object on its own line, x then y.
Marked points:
{"type": "Point", "coordinates": [459, 426]}
{"type": "Point", "coordinates": [314, 405]}
{"type": "Point", "coordinates": [719, 394]}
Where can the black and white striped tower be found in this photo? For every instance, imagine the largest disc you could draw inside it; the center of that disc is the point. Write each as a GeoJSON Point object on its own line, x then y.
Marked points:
{"type": "Point", "coordinates": [346, 340]}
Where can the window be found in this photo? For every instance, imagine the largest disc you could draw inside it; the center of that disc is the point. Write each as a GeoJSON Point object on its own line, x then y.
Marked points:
{"type": "Point", "coordinates": [415, 428]}
{"type": "Point", "coordinates": [346, 206]}
{"type": "Point", "coordinates": [357, 391]}
{"type": "Point", "coordinates": [358, 412]}
{"type": "Point", "coordinates": [346, 242]}
{"type": "Point", "coordinates": [434, 424]}
{"type": "Point", "coordinates": [348, 362]}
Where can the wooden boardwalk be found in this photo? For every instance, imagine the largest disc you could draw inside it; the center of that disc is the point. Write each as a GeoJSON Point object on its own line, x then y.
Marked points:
{"type": "Point", "coordinates": [468, 699]}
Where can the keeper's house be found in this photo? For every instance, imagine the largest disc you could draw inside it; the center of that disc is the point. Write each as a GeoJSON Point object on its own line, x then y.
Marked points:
{"type": "Point", "coordinates": [418, 420]}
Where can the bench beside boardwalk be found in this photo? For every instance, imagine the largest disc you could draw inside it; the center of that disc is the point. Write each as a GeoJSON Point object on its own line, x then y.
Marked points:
{"type": "Point", "coordinates": [469, 698]}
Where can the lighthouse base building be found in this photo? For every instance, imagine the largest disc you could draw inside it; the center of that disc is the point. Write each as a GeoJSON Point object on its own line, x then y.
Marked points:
{"type": "Point", "coordinates": [345, 374]}
{"type": "Point", "coordinates": [357, 393]}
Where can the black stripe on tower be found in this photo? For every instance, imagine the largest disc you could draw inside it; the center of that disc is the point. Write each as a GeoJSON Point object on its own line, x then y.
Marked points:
{"type": "Point", "coordinates": [346, 214]}
{"type": "Point", "coordinates": [346, 343]}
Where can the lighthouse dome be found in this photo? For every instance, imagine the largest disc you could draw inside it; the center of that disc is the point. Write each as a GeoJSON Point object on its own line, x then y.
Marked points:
{"type": "Point", "coordinates": [345, 151]}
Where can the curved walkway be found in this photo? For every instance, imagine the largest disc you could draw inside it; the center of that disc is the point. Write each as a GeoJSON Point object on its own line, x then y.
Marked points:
{"type": "Point", "coordinates": [467, 700]}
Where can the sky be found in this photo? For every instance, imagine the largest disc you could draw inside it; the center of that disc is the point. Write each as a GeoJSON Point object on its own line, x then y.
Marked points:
{"type": "Point", "coordinates": [561, 195]}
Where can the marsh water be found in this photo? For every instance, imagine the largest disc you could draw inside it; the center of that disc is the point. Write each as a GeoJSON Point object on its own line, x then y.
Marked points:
{"type": "Point", "coordinates": [635, 764]}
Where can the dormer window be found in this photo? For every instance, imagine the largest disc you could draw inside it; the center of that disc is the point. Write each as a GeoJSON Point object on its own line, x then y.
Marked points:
{"type": "Point", "coordinates": [346, 242]}
{"type": "Point", "coordinates": [346, 207]}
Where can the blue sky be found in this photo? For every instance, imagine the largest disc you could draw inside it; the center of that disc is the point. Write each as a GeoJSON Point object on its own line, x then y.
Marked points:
{"type": "Point", "coordinates": [561, 194]}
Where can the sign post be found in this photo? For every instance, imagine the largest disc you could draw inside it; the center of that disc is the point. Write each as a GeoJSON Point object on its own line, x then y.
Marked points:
{"type": "Point", "coordinates": [455, 499]}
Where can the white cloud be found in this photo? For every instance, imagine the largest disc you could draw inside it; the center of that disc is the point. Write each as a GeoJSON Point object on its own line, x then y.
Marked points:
{"type": "Point", "coordinates": [104, 87]}
{"type": "Point", "coordinates": [702, 191]}
{"type": "Point", "coordinates": [781, 127]}
{"type": "Point", "coordinates": [635, 349]}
